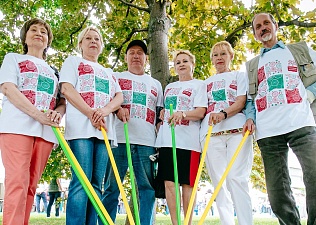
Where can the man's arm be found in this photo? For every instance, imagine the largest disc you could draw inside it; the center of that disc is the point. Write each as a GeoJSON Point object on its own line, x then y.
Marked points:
{"type": "Point", "coordinates": [311, 89]}
{"type": "Point", "coordinates": [250, 112]}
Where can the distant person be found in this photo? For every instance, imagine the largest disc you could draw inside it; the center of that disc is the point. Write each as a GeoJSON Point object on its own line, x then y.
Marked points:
{"type": "Point", "coordinates": [54, 192]}
{"type": "Point", "coordinates": [31, 105]}
{"type": "Point", "coordinates": [41, 195]}
{"type": "Point", "coordinates": [281, 88]}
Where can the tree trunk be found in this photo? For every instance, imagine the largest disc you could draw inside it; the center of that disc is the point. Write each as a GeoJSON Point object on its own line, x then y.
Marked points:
{"type": "Point", "coordinates": [159, 25]}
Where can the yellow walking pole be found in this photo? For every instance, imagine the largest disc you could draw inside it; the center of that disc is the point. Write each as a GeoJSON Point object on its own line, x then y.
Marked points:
{"type": "Point", "coordinates": [94, 198]}
{"type": "Point", "coordinates": [187, 216]}
{"type": "Point", "coordinates": [209, 205]}
{"type": "Point", "coordinates": [117, 177]}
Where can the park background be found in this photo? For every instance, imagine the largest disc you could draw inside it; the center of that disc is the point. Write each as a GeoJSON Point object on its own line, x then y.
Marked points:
{"type": "Point", "coordinates": [166, 25]}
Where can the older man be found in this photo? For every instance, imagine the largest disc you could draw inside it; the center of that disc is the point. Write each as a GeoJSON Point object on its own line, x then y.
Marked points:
{"type": "Point", "coordinates": [283, 117]}
{"type": "Point", "coordinates": [143, 97]}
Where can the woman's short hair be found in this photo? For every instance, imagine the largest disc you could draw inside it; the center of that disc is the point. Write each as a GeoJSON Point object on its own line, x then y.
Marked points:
{"type": "Point", "coordinates": [27, 26]}
{"type": "Point", "coordinates": [83, 33]}
{"type": "Point", "coordinates": [187, 52]}
{"type": "Point", "coordinates": [221, 45]}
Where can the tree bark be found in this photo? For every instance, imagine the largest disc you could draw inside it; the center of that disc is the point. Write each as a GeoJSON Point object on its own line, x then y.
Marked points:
{"type": "Point", "coordinates": [159, 25]}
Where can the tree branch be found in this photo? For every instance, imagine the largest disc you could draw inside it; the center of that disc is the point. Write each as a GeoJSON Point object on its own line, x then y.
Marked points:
{"type": "Point", "coordinates": [128, 38]}
{"type": "Point", "coordinates": [135, 6]}
{"type": "Point", "coordinates": [81, 25]}
{"type": "Point", "coordinates": [233, 37]}
{"type": "Point", "coordinates": [276, 11]}
{"type": "Point", "coordinates": [296, 23]}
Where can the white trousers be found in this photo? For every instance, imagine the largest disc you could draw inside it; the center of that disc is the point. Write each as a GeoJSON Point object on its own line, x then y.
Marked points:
{"type": "Point", "coordinates": [235, 190]}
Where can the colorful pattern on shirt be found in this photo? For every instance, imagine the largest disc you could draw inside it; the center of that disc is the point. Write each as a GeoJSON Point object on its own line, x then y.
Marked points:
{"type": "Point", "coordinates": [180, 99]}
{"type": "Point", "coordinates": [38, 84]}
{"type": "Point", "coordinates": [94, 85]}
{"type": "Point", "coordinates": [277, 87]}
{"type": "Point", "coordinates": [220, 98]}
{"type": "Point", "coordinates": [140, 101]}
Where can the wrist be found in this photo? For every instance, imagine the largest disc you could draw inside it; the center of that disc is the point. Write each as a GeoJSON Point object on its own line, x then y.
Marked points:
{"type": "Point", "coordinates": [184, 115]}
{"type": "Point", "coordinates": [225, 114]}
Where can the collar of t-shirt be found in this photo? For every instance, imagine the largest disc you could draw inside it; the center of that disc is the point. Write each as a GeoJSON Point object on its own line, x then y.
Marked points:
{"type": "Point", "coordinates": [279, 44]}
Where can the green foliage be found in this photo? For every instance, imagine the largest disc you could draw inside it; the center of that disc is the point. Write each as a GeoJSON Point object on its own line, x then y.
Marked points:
{"type": "Point", "coordinates": [195, 25]}
{"type": "Point", "coordinates": [57, 166]}
{"type": "Point", "coordinates": [257, 172]}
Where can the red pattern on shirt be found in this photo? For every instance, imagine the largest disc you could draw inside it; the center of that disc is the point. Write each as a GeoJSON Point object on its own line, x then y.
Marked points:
{"type": "Point", "coordinates": [27, 66]}
{"type": "Point", "coordinates": [85, 69]}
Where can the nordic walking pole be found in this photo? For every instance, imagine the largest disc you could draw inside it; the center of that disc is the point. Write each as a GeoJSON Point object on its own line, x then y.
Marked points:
{"type": "Point", "coordinates": [117, 177]}
{"type": "Point", "coordinates": [219, 185]}
{"type": "Point", "coordinates": [94, 198]}
{"type": "Point", "coordinates": [198, 175]}
{"type": "Point", "coordinates": [175, 166]}
{"type": "Point", "coordinates": [131, 173]}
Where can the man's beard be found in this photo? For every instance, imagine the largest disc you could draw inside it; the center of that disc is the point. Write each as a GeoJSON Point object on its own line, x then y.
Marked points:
{"type": "Point", "coordinates": [266, 38]}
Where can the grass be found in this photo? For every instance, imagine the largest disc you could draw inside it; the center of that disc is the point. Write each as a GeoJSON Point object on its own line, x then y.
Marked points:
{"type": "Point", "coordinates": [40, 219]}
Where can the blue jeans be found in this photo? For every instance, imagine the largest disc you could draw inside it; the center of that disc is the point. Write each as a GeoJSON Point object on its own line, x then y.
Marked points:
{"type": "Point", "coordinates": [143, 169]}
{"type": "Point", "coordinates": [92, 156]}
{"type": "Point", "coordinates": [42, 196]}
{"type": "Point", "coordinates": [53, 197]}
{"type": "Point", "coordinates": [274, 151]}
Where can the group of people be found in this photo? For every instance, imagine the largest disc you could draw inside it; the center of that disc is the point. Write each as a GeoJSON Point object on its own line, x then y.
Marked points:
{"type": "Point", "coordinates": [272, 100]}
{"type": "Point", "coordinates": [52, 194]}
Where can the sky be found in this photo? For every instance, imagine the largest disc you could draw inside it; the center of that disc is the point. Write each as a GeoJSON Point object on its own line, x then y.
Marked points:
{"type": "Point", "coordinates": [305, 5]}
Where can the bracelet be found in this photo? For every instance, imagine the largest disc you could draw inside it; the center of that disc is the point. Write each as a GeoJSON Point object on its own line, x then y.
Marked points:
{"type": "Point", "coordinates": [183, 114]}
{"type": "Point", "coordinates": [225, 114]}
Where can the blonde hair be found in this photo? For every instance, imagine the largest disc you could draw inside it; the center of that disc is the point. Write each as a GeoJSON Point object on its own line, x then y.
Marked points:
{"type": "Point", "coordinates": [221, 45]}
{"type": "Point", "coordinates": [84, 32]}
{"type": "Point", "coordinates": [187, 52]}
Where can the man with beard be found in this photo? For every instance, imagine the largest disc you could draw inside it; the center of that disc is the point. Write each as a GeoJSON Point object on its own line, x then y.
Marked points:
{"type": "Point", "coordinates": [281, 88]}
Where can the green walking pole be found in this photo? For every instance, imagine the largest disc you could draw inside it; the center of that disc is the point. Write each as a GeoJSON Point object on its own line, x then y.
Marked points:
{"type": "Point", "coordinates": [175, 166]}
{"type": "Point", "coordinates": [132, 176]}
{"type": "Point", "coordinates": [95, 200]}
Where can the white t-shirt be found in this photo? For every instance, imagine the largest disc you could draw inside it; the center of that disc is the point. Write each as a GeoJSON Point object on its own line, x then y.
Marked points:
{"type": "Point", "coordinates": [281, 103]}
{"type": "Point", "coordinates": [37, 82]}
{"type": "Point", "coordinates": [97, 86]}
{"type": "Point", "coordinates": [184, 96]}
{"type": "Point", "coordinates": [222, 91]}
{"type": "Point", "coordinates": [142, 94]}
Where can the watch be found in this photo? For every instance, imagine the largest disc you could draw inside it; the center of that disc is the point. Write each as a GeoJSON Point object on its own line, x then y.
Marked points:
{"type": "Point", "coordinates": [184, 115]}
{"type": "Point", "coordinates": [225, 113]}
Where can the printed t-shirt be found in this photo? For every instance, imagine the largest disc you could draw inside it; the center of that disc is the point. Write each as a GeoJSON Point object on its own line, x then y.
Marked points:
{"type": "Point", "coordinates": [184, 96]}
{"type": "Point", "coordinates": [36, 80]}
{"type": "Point", "coordinates": [142, 94]}
{"type": "Point", "coordinates": [97, 86]}
{"type": "Point", "coordinates": [222, 91]}
{"type": "Point", "coordinates": [281, 103]}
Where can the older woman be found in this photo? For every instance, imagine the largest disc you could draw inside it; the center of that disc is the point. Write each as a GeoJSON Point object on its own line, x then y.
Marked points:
{"type": "Point", "coordinates": [189, 102]}
{"type": "Point", "coordinates": [226, 92]}
{"type": "Point", "coordinates": [30, 106]}
{"type": "Point", "coordinates": [92, 95]}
